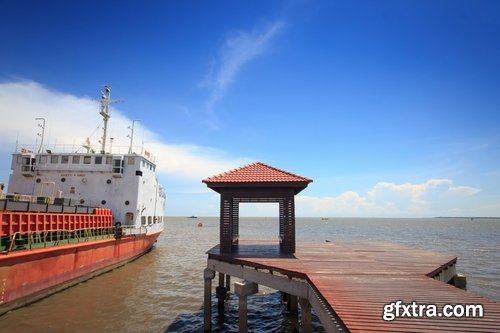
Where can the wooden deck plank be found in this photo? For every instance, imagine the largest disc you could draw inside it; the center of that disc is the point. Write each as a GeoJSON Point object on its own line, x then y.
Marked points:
{"type": "Point", "coordinates": [356, 279]}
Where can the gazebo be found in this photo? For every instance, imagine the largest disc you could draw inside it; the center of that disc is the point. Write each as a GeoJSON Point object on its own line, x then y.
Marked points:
{"type": "Point", "coordinates": [256, 183]}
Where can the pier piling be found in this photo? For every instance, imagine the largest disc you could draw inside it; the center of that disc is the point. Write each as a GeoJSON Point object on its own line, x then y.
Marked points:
{"type": "Point", "coordinates": [221, 293]}
{"type": "Point", "coordinates": [243, 289]}
{"type": "Point", "coordinates": [208, 276]}
{"type": "Point", "coordinates": [305, 318]}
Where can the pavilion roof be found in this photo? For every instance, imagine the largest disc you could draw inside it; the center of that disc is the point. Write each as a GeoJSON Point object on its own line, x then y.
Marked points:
{"type": "Point", "coordinates": [257, 172]}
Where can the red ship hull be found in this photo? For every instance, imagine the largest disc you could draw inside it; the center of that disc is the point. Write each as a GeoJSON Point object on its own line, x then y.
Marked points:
{"type": "Point", "coordinates": [29, 275]}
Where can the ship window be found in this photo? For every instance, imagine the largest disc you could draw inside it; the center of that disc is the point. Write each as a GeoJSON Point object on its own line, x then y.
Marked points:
{"type": "Point", "coordinates": [103, 202]}
{"type": "Point", "coordinates": [108, 181]}
{"type": "Point", "coordinates": [64, 159]}
{"type": "Point", "coordinates": [138, 173]}
{"type": "Point", "coordinates": [98, 160]}
{"type": "Point", "coordinates": [28, 164]}
{"type": "Point", "coordinates": [38, 180]}
{"type": "Point", "coordinates": [72, 190]}
{"type": "Point", "coordinates": [127, 203]}
{"type": "Point", "coordinates": [86, 159]}
{"type": "Point", "coordinates": [76, 160]}
{"type": "Point", "coordinates": [149, 219]}
{"type": "Point", "coordinates": [108, 159]}
{"type": "Point", "coordinates": [118, 166]}
{"type": "Point", "coordinates": [82, 201]}
{"type": "Point", "coordinates": [42, 159]}
{"type": "Point", "coordinates": [131, 160]}
{"type": "Point", "coordinates": [54, 159]}
{"type": "Point", "coordinates": [143, 220]}
{"type": "Point", "coordinates": [63, 180]}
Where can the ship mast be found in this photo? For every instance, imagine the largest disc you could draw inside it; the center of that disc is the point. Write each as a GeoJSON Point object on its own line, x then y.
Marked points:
{"type": "Point", "coordinates": [42, 134]}
{"type": "Point", "coordinates": [105, 101]}
{"type": "Point", "coordinates": [131, 135]}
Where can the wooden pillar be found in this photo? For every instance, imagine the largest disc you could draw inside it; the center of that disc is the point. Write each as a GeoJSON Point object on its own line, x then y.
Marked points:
{"type": "Point", "coordinates": [243, 289]}
{"type": "Point", "coordinates": [208, 275]}
{"type": "Point", "coordinates": [226, 225]}
{"type": "Point", "coordinates": [282, 221]}
{"type": "Point", "coordinates": [288, 242]}
{"type": "Point", "coordinates": [235, 221]}
{"type": "Point", "coordinates": [306, 319]}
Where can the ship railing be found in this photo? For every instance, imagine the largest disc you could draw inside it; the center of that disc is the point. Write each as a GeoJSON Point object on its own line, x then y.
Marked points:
{"type": "Point", "coordinates": [79, 149]}
{"type": "Point", "coordinates": [44, 204]}
{"type": "Point", "coordinates": [132, 230]}
{"type": "Point", "coordinates": [55, 237]}
{"type": "Point", "coordinates": [19, 197]}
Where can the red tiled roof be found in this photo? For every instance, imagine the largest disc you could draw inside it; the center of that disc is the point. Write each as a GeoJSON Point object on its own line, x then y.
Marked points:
{"type": "Point", "coordinates": [257, 173]}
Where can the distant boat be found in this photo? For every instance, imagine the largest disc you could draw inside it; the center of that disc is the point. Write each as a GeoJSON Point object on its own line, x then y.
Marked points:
{"type": "Point", "coordinates": [192, 217]}
{"type": "Point", "coordinates": [324, 218]}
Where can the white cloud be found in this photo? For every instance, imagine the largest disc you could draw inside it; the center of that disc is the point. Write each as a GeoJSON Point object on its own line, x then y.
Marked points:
{"type": "Point", "coordinates": [350, 203]}
{"type": "Point", "coordinates": [71, 119]}
{"type": "Point", "coordinates": [414, 192]}
{"type": "Point", "coordinates": [236, 52]}
{"type": "Point", "coordinates": [467, 190]}
{"type": "Point", "coordinates": [387, 199]}
{"type": "Point", "coordinates": [23, 101]}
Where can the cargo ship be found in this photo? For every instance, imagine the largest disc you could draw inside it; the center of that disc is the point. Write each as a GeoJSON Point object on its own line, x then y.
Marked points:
{"type": "Point", "coordinates": [69, 215]}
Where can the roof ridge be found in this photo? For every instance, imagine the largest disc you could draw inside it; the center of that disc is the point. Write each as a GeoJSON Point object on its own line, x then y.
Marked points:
{"type": "Point", "coordinates": [281, 170]}
{"type": "Point", "coordinates": [230, 171]}
{"type": "Point", "coordinates": [235, 171]}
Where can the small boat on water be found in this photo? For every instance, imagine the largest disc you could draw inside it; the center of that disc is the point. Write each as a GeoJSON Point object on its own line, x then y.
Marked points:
{"type": "Point", "coordinates": [68, 215]}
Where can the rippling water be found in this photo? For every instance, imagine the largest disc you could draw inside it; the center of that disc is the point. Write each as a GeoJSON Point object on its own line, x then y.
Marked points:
{"type": "Point", "coordinates": [163, 290]}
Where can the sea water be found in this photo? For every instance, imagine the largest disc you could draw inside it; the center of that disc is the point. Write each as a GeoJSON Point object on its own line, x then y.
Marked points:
{"type": "Point", "coordinates": [163, 290]}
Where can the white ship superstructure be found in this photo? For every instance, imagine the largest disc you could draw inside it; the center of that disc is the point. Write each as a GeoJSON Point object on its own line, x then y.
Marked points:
{"type": "Point", "coordinates": [126, 183]}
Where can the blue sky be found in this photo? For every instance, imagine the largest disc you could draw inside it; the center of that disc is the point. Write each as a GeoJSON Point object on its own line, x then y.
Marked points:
{"type": "Point", "coordinates": [392, 107]}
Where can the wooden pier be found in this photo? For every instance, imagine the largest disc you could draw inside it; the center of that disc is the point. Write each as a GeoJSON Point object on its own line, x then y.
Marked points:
{"type": "Point", "coordinates": [348, 283]}
{"type": "Point", "coordinates": [351, 285]}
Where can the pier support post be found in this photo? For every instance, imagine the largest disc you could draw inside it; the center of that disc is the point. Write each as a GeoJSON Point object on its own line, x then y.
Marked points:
{"type": "Point", "coordinates": [228, 282]}
{"type": "Point", "coordinates": [208, 275]}
{"type": "Point", "coordinates": [293, 311]}
{"type": "Point", "coordinates": [306, 319]}
{"type": "Point", "coordinates": [460, 281]}
{"type": "Point", "coordinates": [292, 306]}
{"type": "Point", "coordinates": [243, 289]}
{"type": "Point", "coordinates": [221, 293]}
